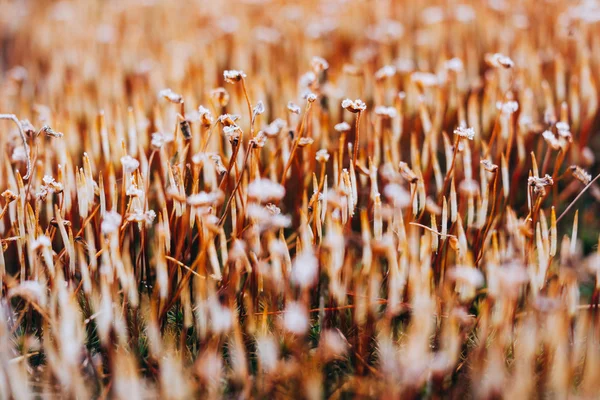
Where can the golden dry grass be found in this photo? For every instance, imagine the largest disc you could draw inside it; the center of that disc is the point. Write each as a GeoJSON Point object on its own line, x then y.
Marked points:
{"type": "Point", "coordinates": [328, 199]}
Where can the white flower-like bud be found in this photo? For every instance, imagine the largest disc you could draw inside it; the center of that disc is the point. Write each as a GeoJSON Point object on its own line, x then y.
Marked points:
{"type": "Point", "coordinates": [488, 165]}
{"type": "Point", "coordinates": [41, 241]}
{"type": "Point", "coordinates": [220, 95]}
{"type": "Point", "coordinates": [384, 72]}
{"type": "Point", "coordinates": [274, 128]}
{"type": "Point", "coordinates": [232, 132]}
{"type": "Point", "coordinates": [510, 107]}
{"type": "Point", "coordinates": [466, 133]}
{"type": "Point", "coordinates": [342, 127]}
{"type": "Point", "coordinates": [399, 196]}
{"type": "Point", "coordinates": [158, 140]}
{"type": "Point", "coordinates": [424, 79]}
{"type": "Point", "coordinates": [581, 175]}
{"type": "Point", "coordinates": [305, 269]}
{"type": "Point", "coordinates": [170, 96]}
{"type": "Point", "coordinates": [387, 112]}
{"type": "Point", "coordinates": [268, 352]}
{"type": "Point", "coordinates": [133, 191]}
{"type": "Point", "coordinates": [205, 116]}
{"type": "Point", "coordinates": [322, 156]}
{"type": "Point", "coordinates": [293, 108]}
{"type": "Point", "coordinates": [454, 64]}
{"type": "Point", "coordinates": [258, 109]}
{"type": "Point", "coordinates": [310, 97]}
{"type": "Point", "coordinates": [295, 318]}
{"type": "Point", "coordinates": [233, 76]}
{"type": "Point", "coordinates": [355, 106]}
{"type": "Point", "coordinates": [263, 190]}
{"type": "Point", "coordinates": [319, 64]}
{"type": "Point", "coordinates": [204, 199]}
{"type": "Point", "coordinates": [307, 80]}
{"type": "Point", "coordinates": [130, 164]}
{"type": "Point", "coordinates": [112, 221]}
{"type": "Point", "coordinates": [498, 60]}
{"type": "Point", "coordinates": [467, 275]}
